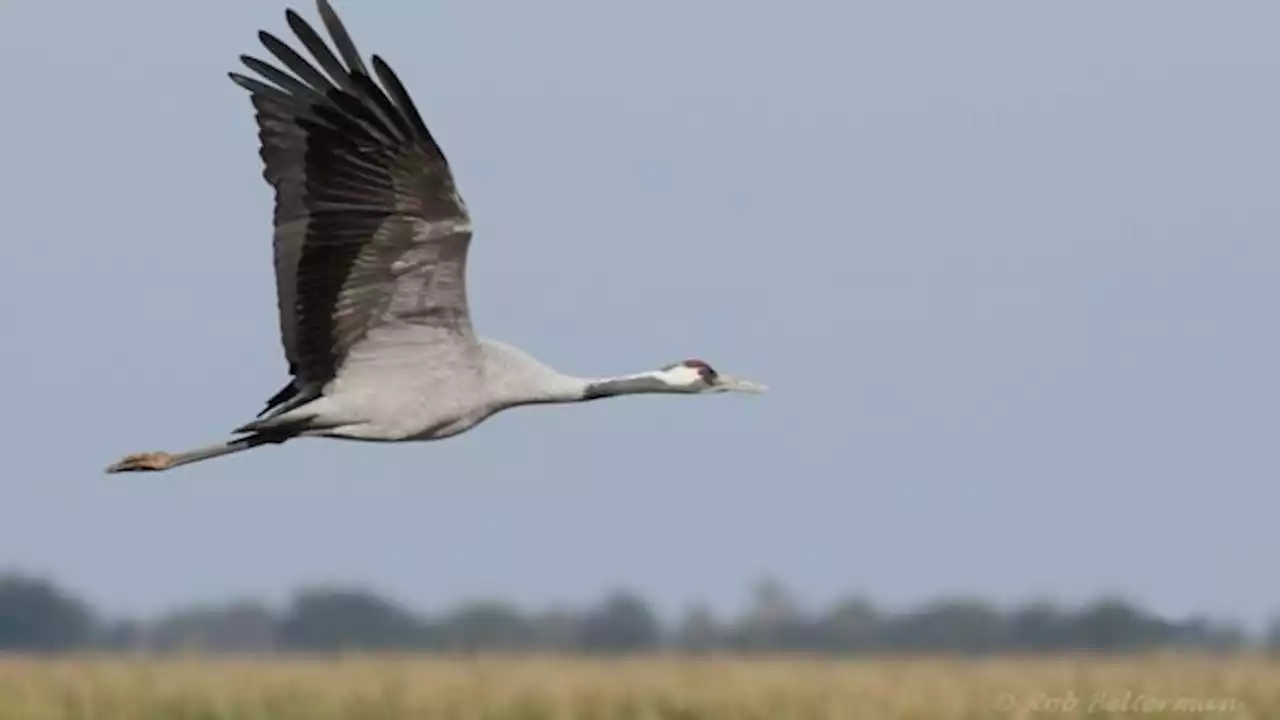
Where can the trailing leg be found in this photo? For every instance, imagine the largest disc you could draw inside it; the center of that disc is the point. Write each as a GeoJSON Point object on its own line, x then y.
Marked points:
{"type": "Point", "coordinates": [156, 461]}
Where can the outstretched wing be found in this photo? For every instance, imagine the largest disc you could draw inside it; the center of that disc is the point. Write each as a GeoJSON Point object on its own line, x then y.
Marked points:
{"type": "Point", "coordinates": [369, 227]}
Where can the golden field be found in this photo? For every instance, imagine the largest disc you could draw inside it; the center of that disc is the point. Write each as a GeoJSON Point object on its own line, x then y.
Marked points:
{"type": "Point", "coordinates": [369, 688]}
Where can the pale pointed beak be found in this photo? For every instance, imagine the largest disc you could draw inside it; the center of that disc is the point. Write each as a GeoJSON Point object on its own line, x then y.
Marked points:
{"type": "Point", "coordinates": [729, 383]}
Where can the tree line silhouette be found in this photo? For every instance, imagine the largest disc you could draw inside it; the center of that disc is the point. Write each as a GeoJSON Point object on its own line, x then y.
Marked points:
{"type": "Point", "coordinates": [38, 616]}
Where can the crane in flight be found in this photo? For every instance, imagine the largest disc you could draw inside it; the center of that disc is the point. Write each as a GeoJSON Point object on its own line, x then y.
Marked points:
{"type": "Point", "coordinates": [371, 241]}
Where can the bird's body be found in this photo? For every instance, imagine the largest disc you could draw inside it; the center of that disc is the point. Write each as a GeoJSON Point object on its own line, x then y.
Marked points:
{"type": "Point", "coordinates": [464, 384]}
{"type": "Point", "coordinates": [371, 239]}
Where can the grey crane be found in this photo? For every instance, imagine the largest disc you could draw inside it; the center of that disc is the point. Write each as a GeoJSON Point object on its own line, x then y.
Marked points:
{"type": "Point", "coordinates": [371, 243]}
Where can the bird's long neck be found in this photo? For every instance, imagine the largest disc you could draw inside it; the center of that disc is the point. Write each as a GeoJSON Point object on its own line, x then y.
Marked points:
{"type": "Point", "coordinates": [519, 379]}
{"type": "Point", "coordinates": [636, 384]}
{"type": "Point", "coordinates": [556, 387]}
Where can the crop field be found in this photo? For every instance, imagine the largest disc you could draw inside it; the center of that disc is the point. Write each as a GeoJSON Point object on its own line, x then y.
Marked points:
{"type": "Point", "coordinates": [369, 688]}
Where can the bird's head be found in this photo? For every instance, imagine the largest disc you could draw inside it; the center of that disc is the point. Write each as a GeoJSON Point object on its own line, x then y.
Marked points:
{"type": "Point", "coordinates": [687, 377]}
{"type": "Point", "coordinates": [696, 376]}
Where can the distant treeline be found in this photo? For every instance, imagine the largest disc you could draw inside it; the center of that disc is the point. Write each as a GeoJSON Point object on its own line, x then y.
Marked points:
{"type": "Point", "coordinates": [37, 616]}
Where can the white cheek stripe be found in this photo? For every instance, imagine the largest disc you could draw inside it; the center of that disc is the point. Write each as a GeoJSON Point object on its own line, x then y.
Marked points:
{"type": "Point", "coordinates": [682, 375]}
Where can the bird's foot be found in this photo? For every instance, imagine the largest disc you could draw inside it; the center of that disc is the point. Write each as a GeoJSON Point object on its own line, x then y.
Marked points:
{"type": "Point", "coordinates": [142, 462]}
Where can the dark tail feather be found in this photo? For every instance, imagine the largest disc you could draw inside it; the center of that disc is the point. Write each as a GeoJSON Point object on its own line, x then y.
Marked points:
{"type": "Point", "coordinates": [286, 393]}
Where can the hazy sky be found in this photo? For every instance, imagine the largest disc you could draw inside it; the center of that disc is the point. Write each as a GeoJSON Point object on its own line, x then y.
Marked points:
{"type": "Point", "coordinates": [1009, 268]}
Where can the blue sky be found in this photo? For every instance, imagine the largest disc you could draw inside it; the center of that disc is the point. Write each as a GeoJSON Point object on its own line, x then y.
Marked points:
{"type": "Point", "coordinates": [1010, 270]}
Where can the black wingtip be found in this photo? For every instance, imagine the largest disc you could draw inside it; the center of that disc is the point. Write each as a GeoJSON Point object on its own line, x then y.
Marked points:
{"type": "Point", "coordinates": [266, 38]}
{"type": "Point", "coordinates": [294, 19]}
{"type": "Point", "coordinates": [341, 38]}
{"type": "Point", "coordinates": [246, 83]}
